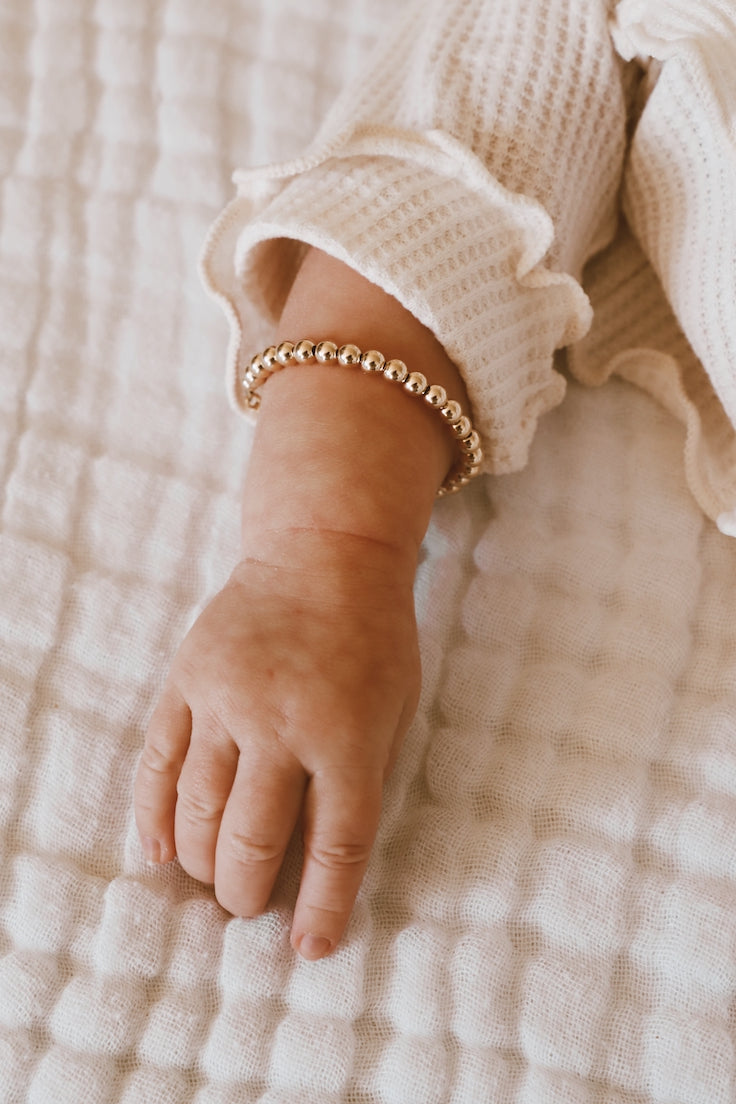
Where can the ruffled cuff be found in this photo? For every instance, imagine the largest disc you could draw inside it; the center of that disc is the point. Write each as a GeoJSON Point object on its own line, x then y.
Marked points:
{"type": "Point", "coordinates": [420, 216]}
{"type": "Point", "coordinates": [678, 196]}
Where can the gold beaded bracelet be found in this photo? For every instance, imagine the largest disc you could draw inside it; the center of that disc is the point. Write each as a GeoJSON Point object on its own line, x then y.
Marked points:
{"type": "Point", "coordinates": [275, 357]}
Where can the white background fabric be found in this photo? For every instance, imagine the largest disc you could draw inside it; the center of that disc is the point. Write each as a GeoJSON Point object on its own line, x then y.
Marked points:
{"type": "Point", "coordinates": [550, 913]}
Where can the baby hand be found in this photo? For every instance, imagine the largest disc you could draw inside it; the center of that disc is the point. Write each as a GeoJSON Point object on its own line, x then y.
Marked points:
{"type": "Point", "coordinates": [285, 704]}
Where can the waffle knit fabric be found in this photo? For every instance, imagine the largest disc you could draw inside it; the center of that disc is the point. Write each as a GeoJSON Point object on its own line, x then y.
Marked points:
{"type": "Point", "coordinates": [549, 916]}
{"type": "Point", "coordinates": [474, 165]}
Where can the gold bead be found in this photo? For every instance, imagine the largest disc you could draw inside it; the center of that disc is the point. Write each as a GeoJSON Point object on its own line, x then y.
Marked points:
{"type": "Point", "coordinates": [451, 411]}
{"type": "Point", "coordinates": [372, 361]}
{"type": "Point", "coordinates": [326, 351]}
{"type": "Point", "coordinates": [275, 356]}
{"type": "Point", "coordinates": [396, 371]}
{"type": "Point", "coordinates": [435, 395]}
{"type": "Point", "coordinates": [349, 354]}
{"type": "Point", "coordinates": [269, 356]}
{"type": "Point", "coordinates": [303, 350]}
{"type": "Point", "coordinates": [285, 352]}
{"type": "Point", "coordinates": [416, 383]}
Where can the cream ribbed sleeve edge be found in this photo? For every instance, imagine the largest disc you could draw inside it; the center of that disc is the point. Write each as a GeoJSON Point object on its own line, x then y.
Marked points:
{"type": "Point", "coordinates": [423, 218]}
{"type": "Point", "coordinates": [679, 196]}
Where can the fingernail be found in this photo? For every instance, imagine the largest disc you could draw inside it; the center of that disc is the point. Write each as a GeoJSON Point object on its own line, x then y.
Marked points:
{"type": "Point", "coordinates": [314, 946]}
{"type": "Point", "coordinates": [151, 849]}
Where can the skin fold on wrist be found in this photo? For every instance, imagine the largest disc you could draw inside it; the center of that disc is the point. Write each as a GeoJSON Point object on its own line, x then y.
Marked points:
{"type": "Point", "coordinates": [336, 449]}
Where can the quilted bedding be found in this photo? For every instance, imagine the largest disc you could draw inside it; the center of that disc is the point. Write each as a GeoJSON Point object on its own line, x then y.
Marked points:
{"type": "Point", "coordinates": [550, 911]}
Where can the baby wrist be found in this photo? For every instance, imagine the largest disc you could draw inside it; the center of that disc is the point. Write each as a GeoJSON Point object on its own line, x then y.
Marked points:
{"type": "Point", "coordinates": [468, 452]}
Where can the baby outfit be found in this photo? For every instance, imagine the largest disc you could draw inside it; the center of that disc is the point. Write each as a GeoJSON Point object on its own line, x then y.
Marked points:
{"type": "Point", "coordinates": [526, 176]}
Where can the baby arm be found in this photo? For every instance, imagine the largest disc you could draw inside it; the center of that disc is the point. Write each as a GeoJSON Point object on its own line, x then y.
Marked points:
{"type": "Point", "coordinates": [289, 697]}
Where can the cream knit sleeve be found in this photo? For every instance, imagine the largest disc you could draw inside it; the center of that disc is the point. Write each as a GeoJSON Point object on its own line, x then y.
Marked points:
{"type": "Point", "coordinates": [679, 196]}
{"type": "Point", "coordinates": [470, 170]}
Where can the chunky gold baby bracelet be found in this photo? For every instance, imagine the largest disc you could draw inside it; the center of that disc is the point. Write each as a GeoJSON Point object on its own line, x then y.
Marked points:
{"type": "Point", "coordinates": [275, 357]}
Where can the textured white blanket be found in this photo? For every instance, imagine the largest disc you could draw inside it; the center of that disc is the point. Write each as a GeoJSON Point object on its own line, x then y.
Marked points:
{"type": "Point", "coordinates": [550, 912]}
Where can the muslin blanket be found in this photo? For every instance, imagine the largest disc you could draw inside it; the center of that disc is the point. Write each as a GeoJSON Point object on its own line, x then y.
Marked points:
{"type": "Point", "coordinates": [549, 916]}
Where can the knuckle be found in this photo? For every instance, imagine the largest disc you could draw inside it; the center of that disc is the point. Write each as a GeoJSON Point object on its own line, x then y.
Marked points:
{"type": "Point", "coordinates": [156, 760]}
{"type": "Point", "coordinates": [250, 850]}
{"type": "Point", "coordinates": [147, 810]}
{"type": "Point", "coordinates": [196, 807]}
{"type": "Point", "coordinates": [213, 686]}
{"type": "Point", "coordinates": [339, 856]}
